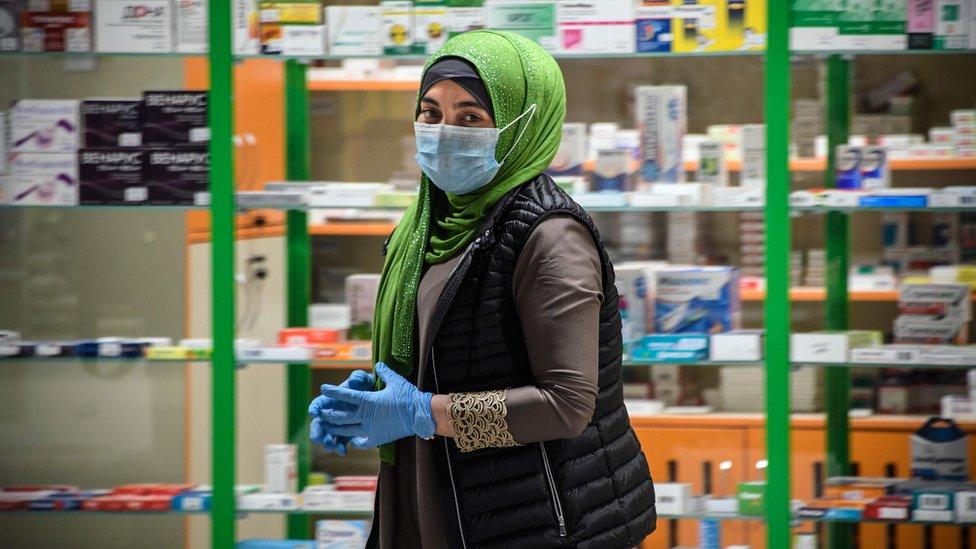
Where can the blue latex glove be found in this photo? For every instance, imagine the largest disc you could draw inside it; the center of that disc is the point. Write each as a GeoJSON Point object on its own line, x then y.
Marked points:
{"type": "Point", "coordinates": [398, 410]}
{"type": "Point", "coordinates": [358, 380]}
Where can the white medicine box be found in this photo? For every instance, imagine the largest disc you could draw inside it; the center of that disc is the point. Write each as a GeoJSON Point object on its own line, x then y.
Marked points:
{"type": "Point", "coordinates": [830, 347]}
{"type": "Point", "coordinates": [126, 27]}
{"type": "Point", "coordinates": [737, 345]}
{"type": "Point", "coordinates": [44, 126]}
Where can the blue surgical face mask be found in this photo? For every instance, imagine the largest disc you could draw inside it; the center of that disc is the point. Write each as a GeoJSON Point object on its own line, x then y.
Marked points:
{"type": "Point", "coordinates": [459, 159]}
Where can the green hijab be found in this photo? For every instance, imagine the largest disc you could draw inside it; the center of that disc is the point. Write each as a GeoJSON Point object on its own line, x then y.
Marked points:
{"type": "Point", "coordinates": [438, 226]}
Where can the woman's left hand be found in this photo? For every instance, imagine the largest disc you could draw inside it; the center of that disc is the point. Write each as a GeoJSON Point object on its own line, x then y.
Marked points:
{"type": "Point", "coordinates": [374, 418]}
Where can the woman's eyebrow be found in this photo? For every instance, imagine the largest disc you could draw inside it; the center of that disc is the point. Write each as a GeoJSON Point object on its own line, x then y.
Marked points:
{"type": "Point", "coordinates": [466, 104]}
{"type": "Point", "coordinates": [431, 101]}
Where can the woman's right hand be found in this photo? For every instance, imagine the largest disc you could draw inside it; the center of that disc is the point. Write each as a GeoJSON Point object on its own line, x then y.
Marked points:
{"type": "Point", "coordinates": [357, 381]}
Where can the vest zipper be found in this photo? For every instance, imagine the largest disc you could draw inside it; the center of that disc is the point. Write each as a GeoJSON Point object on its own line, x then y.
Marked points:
{"type": "Point", "coordinates": [557, 507]}
{"type": "Point", "coordinates": [438, 314]}
{"type": "Point", "coordinates": [447, 454]}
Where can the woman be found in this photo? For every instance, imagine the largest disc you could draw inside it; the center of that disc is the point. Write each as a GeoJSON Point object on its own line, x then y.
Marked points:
{"type": "Point", "coordinates": [497, 400]}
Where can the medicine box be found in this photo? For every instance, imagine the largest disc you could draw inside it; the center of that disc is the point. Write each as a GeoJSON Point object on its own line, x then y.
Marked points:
{"type": "Point", "coordinates": [965, 506]}
{"type": "Point", "coordinates": [246, 33]}
{"type": "Point", "coordinates": [847, 172]}
{"type": "Point", "coordinates": [699, 25]}
{"type": "Point", "coordinates": [111, 123]}
{"type": "Point", "coordinates": [572, 151]}
{"type": "Point", "coordinates": [634, 282]}
{"type": "Point", "coordinates": [946, 300]}
{"type": "Point", "coordinates": [931, 330]}
{"type": "Point", "coordinates": [921, 24]}
{"type": "Point", "coordinates": [59, 6]}
{"type": "Point", "coordinates": [278, 16]}
{"type": "Point", "coordinates": [875, 168]}
{"type": "Point", "coordinates": [830, 347]}
{"type": "Point", "coordinates": [111, 176]}
{"type": "Point", "coordinates": [261, 501]}
{"type": "Point", "coordinates": [671, 348]}
{"type": "Point", "coordinates": [672, 498]}
{"type": "Point", "coordinates": [341, 534]}
{"type": "Point", "coordinates": [10, 25]}
{"type": "Point", "coordinates": [280, 466]}
{"type": "Point", "coordinates": [745, 27]}
{"type": "Point", "coordinates": [176, 176]}
{"type": "Point", "coordinates": [939, 451]}
{"type": "Point", "coordinates": [701, 300]}
{"type": "Point", "coordinates": [600, 26]}
{"type": "Point", "coordinates": [44, 126]}
{"type": "Point", "coordinates": [753, 139]}
{"type": "Point", "coordinates": [191, 26]}
{"type": "Point", "coordinates": [122, 26]}
{"type": "Point", "coordinates": [304, 40]}
{"type": "Point", "coordinates": [752, 498]}
{"type": "Point", "coordinates": [55, 32]}
{"type": "Point", "coordinates": [175, 119]}
{"type": "Point", "coordinates": [711, 164]}
{"type": "Point", "coordinates": [534, 19]}
{"type": "Point", "coordinates": [361, 290]}
{"type": "Point", "coordinates": [397, 26]}
{"type": "Point", "coordinates": [952, 21]}
{"type": "Point", "coordinates": [39, 179]}
{"type": "Point", "coordinates": [737, 345]}
{"type": "Point", "coordinates": [887, 354]}
{"type": "Point", "coordinates": [661, 123]}
{"type": "Point", "coordinates": [464, 19]}
{"type": "Point", "coordinates": [429, 26]}
{"type": "Point", "coordinates": [655, 26]}
{"type": "Point", "coordinates": [354, 30]}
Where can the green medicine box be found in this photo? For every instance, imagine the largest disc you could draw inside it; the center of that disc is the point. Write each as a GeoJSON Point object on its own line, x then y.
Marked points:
{"type": "Point", "coordinates": [752, 498]}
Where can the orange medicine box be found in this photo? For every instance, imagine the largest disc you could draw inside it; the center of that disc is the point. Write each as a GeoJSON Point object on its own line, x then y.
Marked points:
{"type": "Point", "coordinates": [307, 337]}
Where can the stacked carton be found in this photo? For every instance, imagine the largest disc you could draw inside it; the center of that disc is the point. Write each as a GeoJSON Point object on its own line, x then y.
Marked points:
{"type": "Point", "coordinates": [933, 314]}
{"type": "Point", "coordinates": [741, 388]}
{"type": "Point", "coordinates": [964, 132]}
{"type": "Point", "coordinates": [44, 139]}
{"type": "Point", "coordinates": [816, 269]}
{"type": "Point", "coordinates": [686, 239]}
{"type": "Point", "coordinates": [55, 26]}
{"type": "Point", "coordinates": [808, 123]}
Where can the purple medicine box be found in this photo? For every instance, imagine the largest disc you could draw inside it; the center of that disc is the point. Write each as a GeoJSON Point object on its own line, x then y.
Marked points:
{"type": "Point", "coordinates": [112, 176]}
{"type": "Point", "coordinates": [175, 119]}
{"type": "Point", "coordinates": [176, 176]}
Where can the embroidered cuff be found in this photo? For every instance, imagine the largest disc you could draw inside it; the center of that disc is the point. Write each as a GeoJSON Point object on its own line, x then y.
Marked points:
{"type": "Point", "coordinates": [478, 420]}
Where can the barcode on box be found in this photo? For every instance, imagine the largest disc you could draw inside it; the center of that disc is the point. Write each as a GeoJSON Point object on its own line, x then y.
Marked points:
{"type": "Point", "coordinates": [933, 501]}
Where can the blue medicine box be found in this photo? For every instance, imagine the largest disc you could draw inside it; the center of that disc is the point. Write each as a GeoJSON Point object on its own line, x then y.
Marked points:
{"type": "Point", "coordinates": [671, 348]}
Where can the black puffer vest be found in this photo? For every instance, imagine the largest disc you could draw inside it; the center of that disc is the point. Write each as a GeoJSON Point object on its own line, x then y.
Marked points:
{"type": "Point", "coordinates": [592, 491]}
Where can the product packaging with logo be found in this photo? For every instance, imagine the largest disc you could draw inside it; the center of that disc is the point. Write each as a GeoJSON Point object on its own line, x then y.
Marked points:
{"type": "Point", "coordinates": [111, 176]}
{"type": "Point", "coordinates": [177, 176]}
{"type": "Point", "coordinates": [111, 123]}
{"type": "Point", "coordinates": [175, 119]}
{"type": "Point", "coordinates": [661, 121]}
{"type": "Point", "coordinates": [136, 26]}
{"type": "Point", "coordinates": [45, 179]}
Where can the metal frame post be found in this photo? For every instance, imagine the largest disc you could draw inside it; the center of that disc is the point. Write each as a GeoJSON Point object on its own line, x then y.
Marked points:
{"type": "Point", "coordinates": [837, 380]}
{"type": "Point", "coordinates": [299, 275]}
{"type": "Point", "coordinates": [777, 306]}
{"type": "Point", "coordinates": [223, 366]}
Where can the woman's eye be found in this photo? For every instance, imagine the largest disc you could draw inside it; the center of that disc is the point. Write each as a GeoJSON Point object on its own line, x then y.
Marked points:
{"type": "Point", "coordinates": [472, 118]}
{"type": "Point", "coordinates": [428, 114]}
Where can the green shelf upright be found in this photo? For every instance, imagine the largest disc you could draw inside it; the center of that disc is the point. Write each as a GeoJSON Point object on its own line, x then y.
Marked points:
{"type": "Point", "coordinates": [777, 306]}
{"type": "Point", "coordinates": [223, 367]}
{"type": "Point", "coordinates": [299, 273]}
{"type": "Point", "coordinates": [837, 381]}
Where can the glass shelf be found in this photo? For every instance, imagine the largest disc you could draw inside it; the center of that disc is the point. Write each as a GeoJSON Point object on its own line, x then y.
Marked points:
{"type": "Point", "coordinates": [858, 53]}
{"type": "Point", "coordinates": [557, 55]}
{"type": "Point", "coordinates": [55, 54]}
{"type": "Point", "coordinates": [862, 209]}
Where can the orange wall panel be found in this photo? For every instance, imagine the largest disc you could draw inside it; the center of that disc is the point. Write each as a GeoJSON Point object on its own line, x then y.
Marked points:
{"type": "Point", "coordinates": [259, 114]}
{"type": "Point", "coordinates": [690, 450]}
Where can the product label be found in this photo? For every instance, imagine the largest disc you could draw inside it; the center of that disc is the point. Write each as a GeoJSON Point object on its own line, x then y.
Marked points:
{"type": "Point", "coordinates": [191, 26]}
{"type": "Point", "coordinates": [175, 118]}
{"type": "Point", "coordinates": [176, 176]}
{"type": "Point", "coordinates": [536, 21]}
{"type": "Point", "coordinates": [109, 123]}
{"type": "Point", "coordinates": [144, 26]}
{"type": "Point", "coordinates": [107, 175]}
{"type": "Point", "coordinates": [654, 27]}
{"type": "Point", "coordinates": [43, 179]}
{"type": "Point", "coordinates": [44, 31]}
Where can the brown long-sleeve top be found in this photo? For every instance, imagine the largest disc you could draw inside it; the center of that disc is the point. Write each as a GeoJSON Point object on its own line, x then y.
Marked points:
{"type": "Point", "coordinates": [557, 287]}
